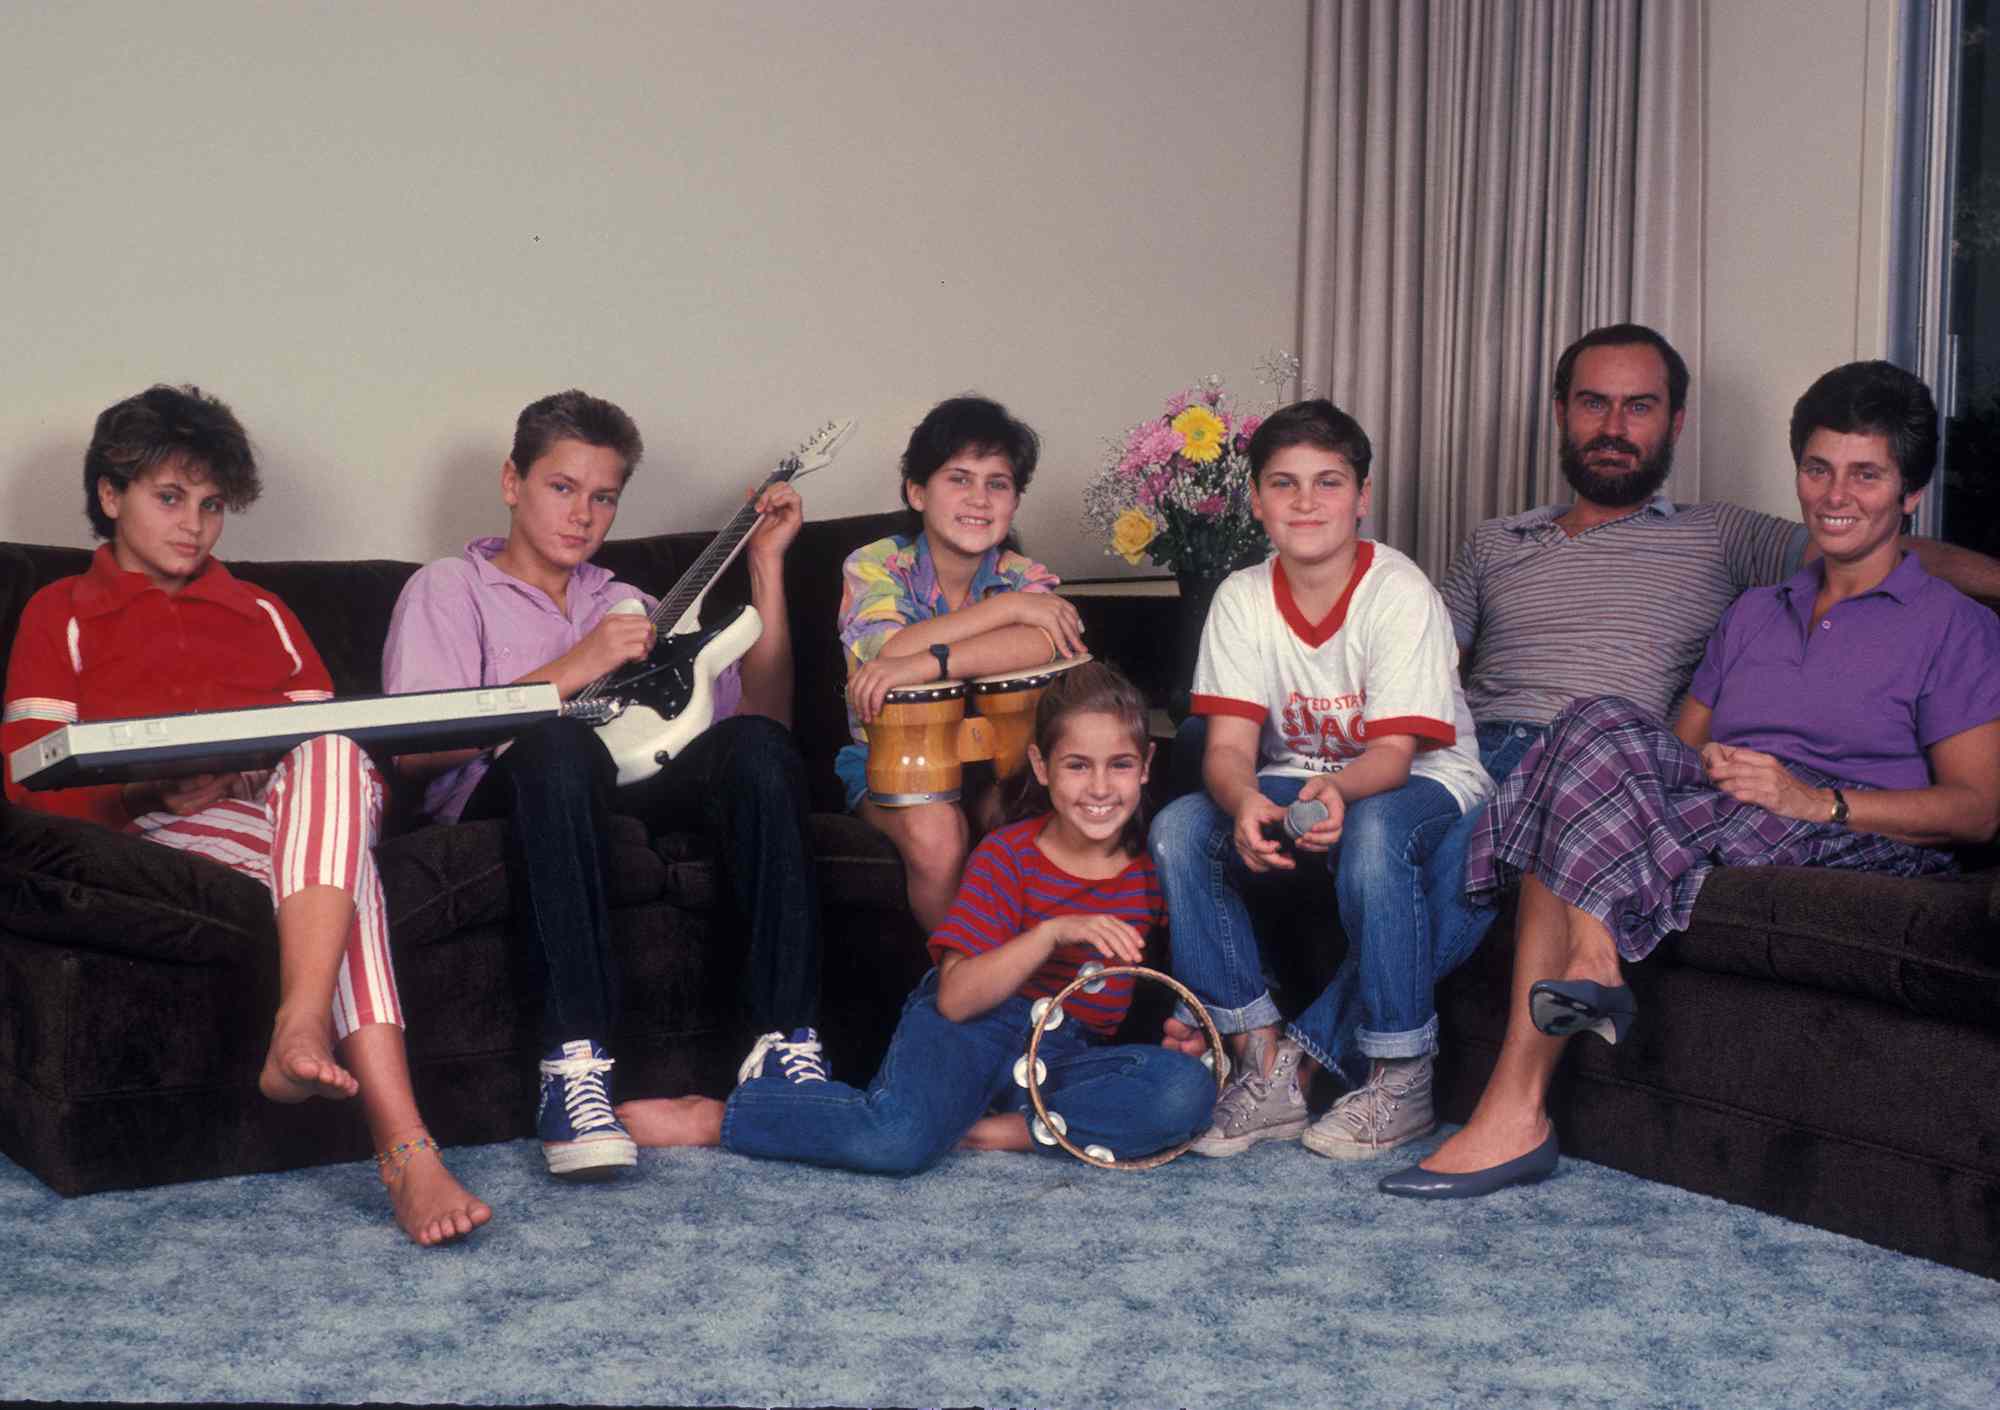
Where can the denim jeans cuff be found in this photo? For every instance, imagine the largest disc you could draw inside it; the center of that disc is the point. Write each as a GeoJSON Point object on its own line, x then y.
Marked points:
{"type": "Point", "coordinates": [1414, 1042]}
{"type": "Point", "coordinates": [1310, 1048]}
{"type": "Point", "coordinates": [728, 1121]}
{"type": "Point", "coordinates": [1260, 1012]}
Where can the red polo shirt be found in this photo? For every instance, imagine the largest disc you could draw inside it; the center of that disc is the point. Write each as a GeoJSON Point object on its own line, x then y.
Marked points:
{"type": "Point", "coordinates": [108, 644]}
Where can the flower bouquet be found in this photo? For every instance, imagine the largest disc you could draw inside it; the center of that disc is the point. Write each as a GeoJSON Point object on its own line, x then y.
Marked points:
{"type": "Point", "coordinates": [1176, 489]}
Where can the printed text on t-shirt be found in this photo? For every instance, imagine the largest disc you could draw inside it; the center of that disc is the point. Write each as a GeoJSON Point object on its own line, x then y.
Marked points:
{"type": "Point", "coordinates": [1323, 732]}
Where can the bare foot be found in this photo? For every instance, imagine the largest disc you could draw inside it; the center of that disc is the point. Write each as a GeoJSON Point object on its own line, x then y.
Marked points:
{"type": "Point", "coordinates": [1483, 1145]}
{"type": "Point", "coordinates": [1183, 1039]}
{"type": "Point", "coordinates": [673, 1121]}
{"type": "Point", "coordinates": [1005, 1132]}
{"type": "Point", "coordinates": [431, 1206]}
{"type": "Point", "coordinates": [300, 1063]}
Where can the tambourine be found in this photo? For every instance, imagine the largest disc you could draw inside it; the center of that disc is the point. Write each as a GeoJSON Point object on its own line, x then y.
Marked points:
{"type": "Point", "coordinates": [1030, 1070]}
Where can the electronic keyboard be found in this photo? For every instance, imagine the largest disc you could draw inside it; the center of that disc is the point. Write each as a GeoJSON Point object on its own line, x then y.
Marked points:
{"type": "Point", "coordinates": [217, 741]}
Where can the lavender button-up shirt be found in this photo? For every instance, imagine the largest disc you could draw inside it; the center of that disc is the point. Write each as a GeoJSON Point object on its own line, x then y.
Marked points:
{"type": "Point", "coordinates": [463, 622]}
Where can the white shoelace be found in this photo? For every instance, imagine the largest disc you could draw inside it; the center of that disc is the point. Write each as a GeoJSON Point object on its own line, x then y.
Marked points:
{"type": "Point", "coordinates": [584, 1097]}
{"type": "Point", "coordinates": [802, 1061]}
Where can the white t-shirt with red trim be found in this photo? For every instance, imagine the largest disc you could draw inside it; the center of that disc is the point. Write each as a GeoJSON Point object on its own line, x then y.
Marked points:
{"type": "Point", "coordinates": [1382, 661]}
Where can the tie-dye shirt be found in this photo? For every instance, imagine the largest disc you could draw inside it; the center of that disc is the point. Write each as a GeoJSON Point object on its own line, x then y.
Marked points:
{"type": "Point", "coordinates": [892, 583]}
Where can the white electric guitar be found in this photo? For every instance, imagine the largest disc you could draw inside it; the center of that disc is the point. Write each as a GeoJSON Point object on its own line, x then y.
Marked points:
{"type": "Point", "coordinates": [647, 711]}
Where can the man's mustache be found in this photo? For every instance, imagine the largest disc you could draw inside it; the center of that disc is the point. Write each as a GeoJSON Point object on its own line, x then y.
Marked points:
{"type": "Point", "coordinates": [1617, 443]}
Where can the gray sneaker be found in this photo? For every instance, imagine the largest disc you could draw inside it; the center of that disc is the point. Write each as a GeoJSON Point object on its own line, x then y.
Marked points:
{"type": "Point", "coordinates": [1255, 1108]}
{"type": "Point", "coordinates": [1393, 1107]}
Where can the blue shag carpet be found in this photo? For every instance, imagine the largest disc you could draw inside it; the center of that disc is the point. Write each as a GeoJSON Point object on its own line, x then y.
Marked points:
{"type": "Point", "coordinates": [1275, 1278]}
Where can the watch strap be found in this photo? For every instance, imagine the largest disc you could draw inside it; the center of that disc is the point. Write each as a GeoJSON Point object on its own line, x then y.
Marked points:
{"type": "Point", "coordinates": [1839, 815]}
{"type": "Point", "coordinates": [943, 654]}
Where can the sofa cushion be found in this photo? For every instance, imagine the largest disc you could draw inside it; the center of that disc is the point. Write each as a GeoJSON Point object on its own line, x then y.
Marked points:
{"type": "Point", "coordinates": [75, 883]}
{"type": "Point", "coordinates": [858, 866]}
{"type": "Point", "coordinates": [1926, 944]}
{"type": "Point", "coordinates": [440, 880]}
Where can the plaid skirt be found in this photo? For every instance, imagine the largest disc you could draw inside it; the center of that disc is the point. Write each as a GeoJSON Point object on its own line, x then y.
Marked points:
{"type": "Point", "coordinates": [1616, 816]}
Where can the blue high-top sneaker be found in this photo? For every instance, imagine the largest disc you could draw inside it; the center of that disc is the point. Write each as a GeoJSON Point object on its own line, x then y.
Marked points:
{"type": "Point", "coordinates": [797, 1058]}
{"type": "Point", "coordinates": [581, 1136]}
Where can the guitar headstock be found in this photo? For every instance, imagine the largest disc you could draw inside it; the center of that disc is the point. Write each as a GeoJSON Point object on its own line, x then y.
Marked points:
{"type": "Point", "coordinates": [818, 449]}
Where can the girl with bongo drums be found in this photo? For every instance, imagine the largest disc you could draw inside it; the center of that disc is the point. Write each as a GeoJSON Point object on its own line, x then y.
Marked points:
{"type": "Point", "coordinates": [949, 598]}
{"type": "Point", "coordinates": [1069, 882]}
{"type": "Point", "coordinates": [157, 625]}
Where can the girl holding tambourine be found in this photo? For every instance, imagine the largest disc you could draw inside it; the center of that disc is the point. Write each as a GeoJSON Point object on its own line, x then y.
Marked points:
{"type": "Point", "coordinates": [1068, 882]}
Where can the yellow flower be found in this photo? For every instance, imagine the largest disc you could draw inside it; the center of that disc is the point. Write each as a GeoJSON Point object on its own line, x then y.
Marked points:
{"type": "Point", "coordinates": [1130, 534]}
{"type": "Point", "coordinates": [1203, 430]}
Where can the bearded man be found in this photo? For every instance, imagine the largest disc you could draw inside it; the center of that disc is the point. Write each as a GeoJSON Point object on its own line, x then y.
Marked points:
{"type": "Point", "coordinates": [1616, 593]}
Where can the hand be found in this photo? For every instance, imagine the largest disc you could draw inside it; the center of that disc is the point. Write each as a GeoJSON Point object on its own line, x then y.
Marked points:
{"type": "Point", "coordinates": [617, 638]}
{"type": "Point", "coordinates": [1753, 777]}
{"type": "Point", "coordinates": [875, 679]}
{"type": "Point", "coordinates": [1257, 849]}
{"type": "Point", "coordinates": [1108, 935]}
{"type": "Point", "coordinates": [782, 512]}
{"type": "Point", "coordinates": [183, 797]}
{"type": "Point", "coordinates": [1321, 836]}
{"type": "Point", "coordinates": [1054, 615]}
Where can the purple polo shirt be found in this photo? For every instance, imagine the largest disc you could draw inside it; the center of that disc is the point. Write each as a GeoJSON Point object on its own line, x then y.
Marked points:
{"type": "Point", "coordinates": [462, 621]}
{"type": "Point", "coordinates": [1862, 691]}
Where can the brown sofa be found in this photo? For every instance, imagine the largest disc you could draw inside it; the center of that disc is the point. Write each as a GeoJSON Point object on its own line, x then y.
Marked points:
{"type": "Point", "coordinates": [136, 984]}
{"type": "Point", "coordinates": [1820, 1045]}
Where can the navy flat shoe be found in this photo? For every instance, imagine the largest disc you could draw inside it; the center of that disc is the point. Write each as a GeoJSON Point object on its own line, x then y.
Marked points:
{"type": "Point", "coordinates": [1560, 1007]}
{"type": "Point", "coordinates": [1419, 1183]}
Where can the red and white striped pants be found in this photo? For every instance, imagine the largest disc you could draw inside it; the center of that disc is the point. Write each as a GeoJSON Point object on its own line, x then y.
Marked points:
{"type": "Point", "coordinates": [312, 822]}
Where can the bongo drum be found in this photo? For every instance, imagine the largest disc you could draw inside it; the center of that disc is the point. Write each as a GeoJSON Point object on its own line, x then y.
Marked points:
{"type": "Point", "coordinates": [1008, 700]}
{"type": "Point", "coordinates": [919, 743]}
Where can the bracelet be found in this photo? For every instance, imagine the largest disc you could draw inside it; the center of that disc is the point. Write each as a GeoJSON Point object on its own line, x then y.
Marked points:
{"type": "Point", "coordinates": [1055, 652]}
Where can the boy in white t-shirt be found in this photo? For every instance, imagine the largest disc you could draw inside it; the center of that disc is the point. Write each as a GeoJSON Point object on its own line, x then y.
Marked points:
{"type": "Point", "coordinates": [1327, 674]}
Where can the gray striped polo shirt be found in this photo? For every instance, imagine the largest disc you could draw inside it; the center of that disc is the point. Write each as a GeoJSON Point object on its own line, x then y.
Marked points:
{"type": "Point", "coordinates": [1622, 609]}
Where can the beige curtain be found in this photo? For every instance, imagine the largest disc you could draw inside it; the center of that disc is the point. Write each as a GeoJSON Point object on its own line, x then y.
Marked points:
{"type": "Point", "coordinates": [1485, 181]}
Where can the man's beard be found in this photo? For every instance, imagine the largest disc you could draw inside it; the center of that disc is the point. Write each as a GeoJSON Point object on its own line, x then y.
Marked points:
{"type": "Point", "coordinates": [1620, 491]}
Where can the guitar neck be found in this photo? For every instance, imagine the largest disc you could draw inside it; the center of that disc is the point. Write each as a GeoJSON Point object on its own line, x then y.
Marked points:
{"type": "Point", "coordinates": [720, 553]}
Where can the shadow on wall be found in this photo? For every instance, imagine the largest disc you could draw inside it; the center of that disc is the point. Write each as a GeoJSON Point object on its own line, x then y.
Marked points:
{"type": "Point", "coordinates": [44, 502]}
{"type": "Point", "coordinates": [464, 497]}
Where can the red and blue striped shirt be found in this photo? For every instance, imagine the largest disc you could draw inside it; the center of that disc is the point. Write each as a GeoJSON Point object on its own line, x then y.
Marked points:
{"type": "Point", "coordinates": [1010, 887]}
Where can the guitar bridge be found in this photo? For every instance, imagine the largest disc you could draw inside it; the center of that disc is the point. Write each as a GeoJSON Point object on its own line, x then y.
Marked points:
{"type": "Point", "coordinates": [596, 712]}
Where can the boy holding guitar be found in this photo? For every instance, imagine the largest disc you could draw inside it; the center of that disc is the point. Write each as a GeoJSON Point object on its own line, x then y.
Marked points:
{"type": "Point", "coordinates": [532, 607]}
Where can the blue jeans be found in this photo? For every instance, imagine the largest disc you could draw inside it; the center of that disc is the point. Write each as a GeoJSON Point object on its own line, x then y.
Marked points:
{"type": "Point", "coordinates": [741, 780]}
{"type": "Point", "coordinates": [1456, 924]}
{"type": "Point", "coordinates": [940, 1077]}
{"type": "Point", "coordinates": [1443, 921]}
{"type": "Point", "coordinates": [1390, 969]}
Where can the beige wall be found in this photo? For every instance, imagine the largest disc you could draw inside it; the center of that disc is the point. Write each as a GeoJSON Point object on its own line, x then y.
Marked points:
{"type": "Point", "coordinates": [1800, 110]}
{"type": "Point", "coordinates": [379, 229]}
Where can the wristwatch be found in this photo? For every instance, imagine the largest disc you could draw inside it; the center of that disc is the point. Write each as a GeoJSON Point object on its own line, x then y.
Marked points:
{"type": "Point", "coordinates": [943, 654]}
{"type": "Point", "coordinates": [1839, 815]}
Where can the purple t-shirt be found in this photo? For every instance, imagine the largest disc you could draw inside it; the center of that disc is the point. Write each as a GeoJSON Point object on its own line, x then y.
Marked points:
{"type": "Point", "coordinates": [1862, 691]}
{"type": "Point", "coordinates": [462, 621]}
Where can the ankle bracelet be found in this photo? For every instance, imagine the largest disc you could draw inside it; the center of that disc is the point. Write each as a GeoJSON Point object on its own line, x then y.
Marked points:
{"type": "Point", "coordinates": [394, 1160]}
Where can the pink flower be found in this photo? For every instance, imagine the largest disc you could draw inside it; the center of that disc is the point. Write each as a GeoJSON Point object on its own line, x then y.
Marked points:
{"type": "Point", "coordinates": [1212, 505]}
{"type": "Point", "coordinates": [1177, 403]}
{"type": "Point", "coordinates": [1160, 442]}
{"type": "Point", "coordinates": [1247, 427]}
